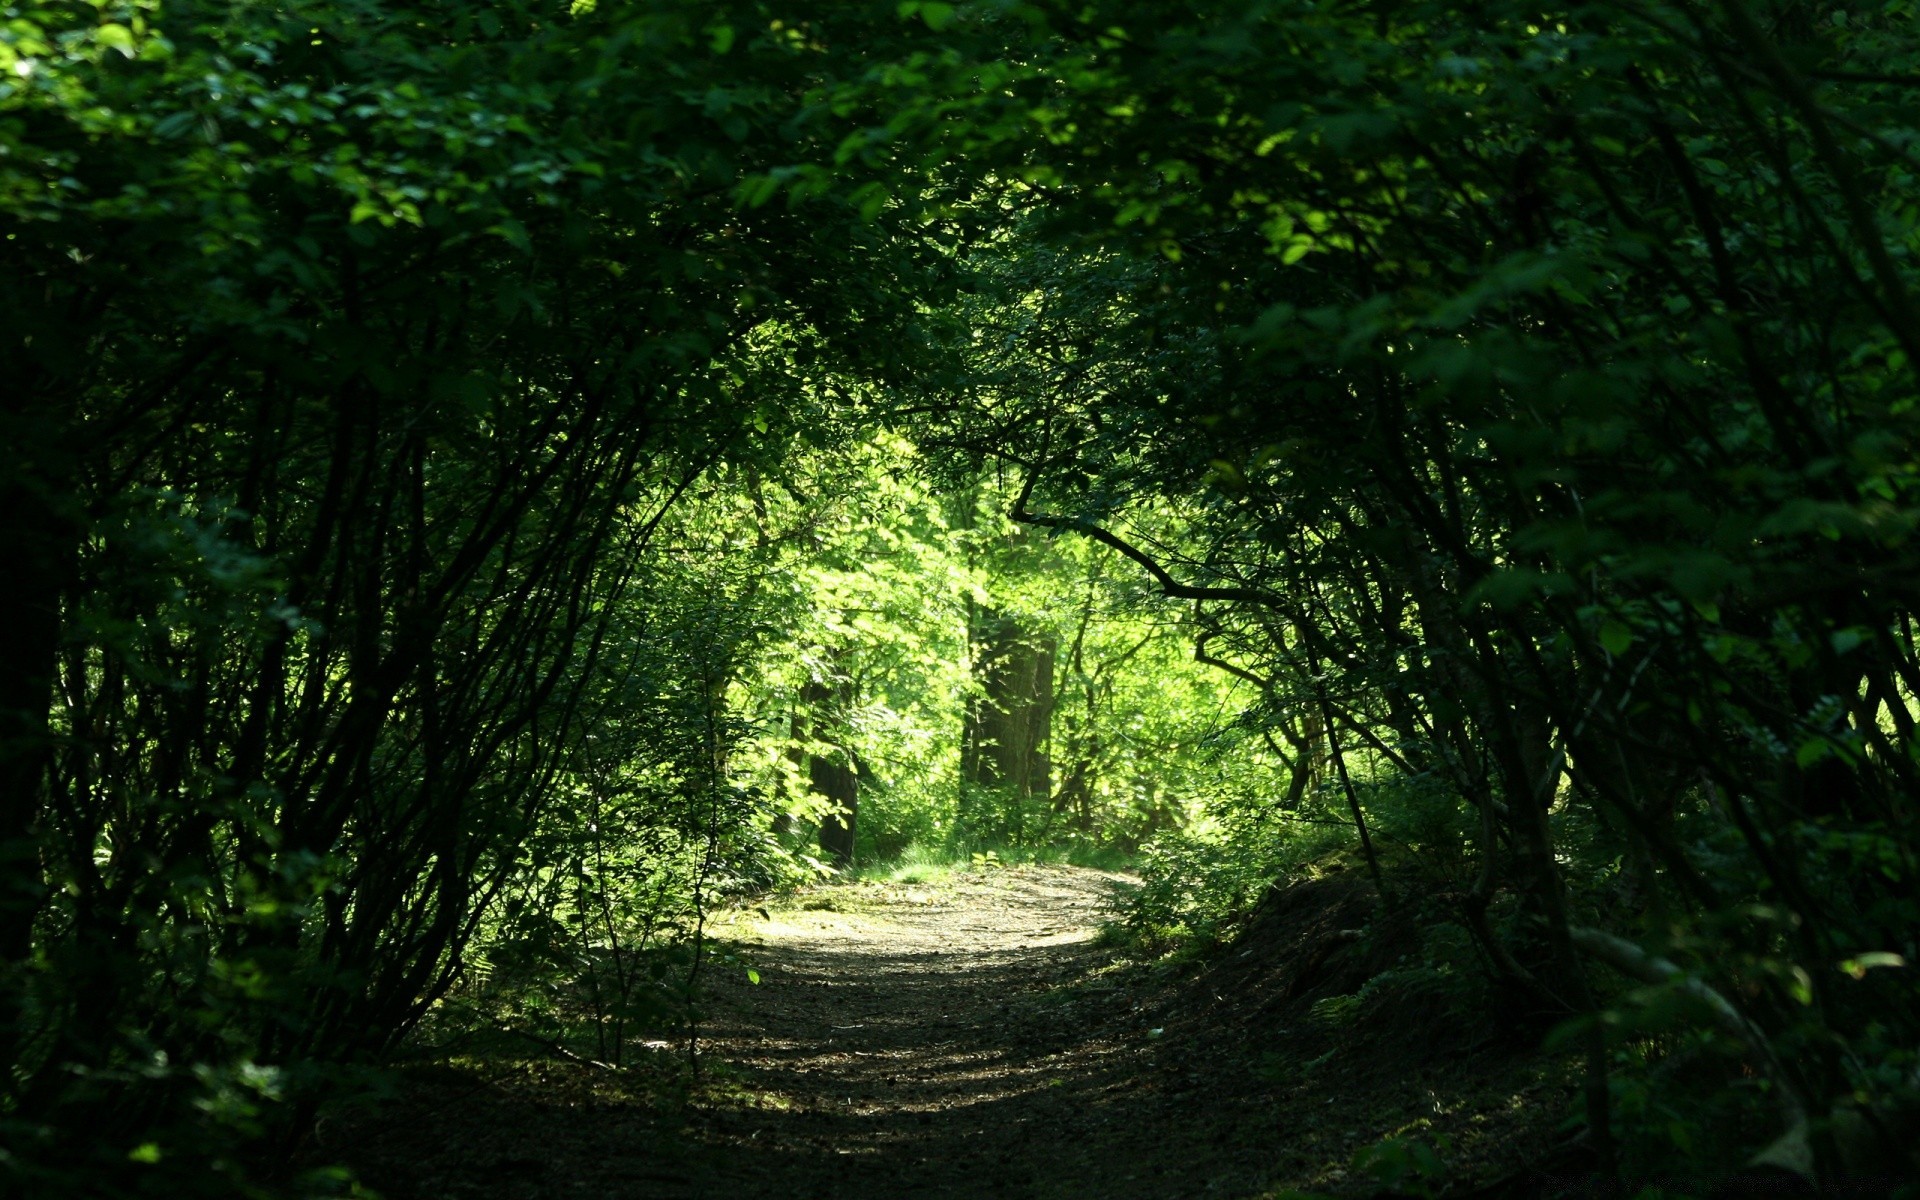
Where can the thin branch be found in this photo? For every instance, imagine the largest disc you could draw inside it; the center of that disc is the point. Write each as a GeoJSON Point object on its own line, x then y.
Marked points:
{"type": "Point", "coordinates": [1169, 586]}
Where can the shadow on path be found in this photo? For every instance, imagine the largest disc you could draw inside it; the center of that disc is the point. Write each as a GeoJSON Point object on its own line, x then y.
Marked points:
{"type": "Point", "coordinates": [972, 1038]}
{"type": "Point", "coordinates": [955, 1041]}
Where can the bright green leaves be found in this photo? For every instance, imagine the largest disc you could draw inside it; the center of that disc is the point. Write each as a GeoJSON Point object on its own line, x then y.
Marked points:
{"type": "Point", "coordinates": [1292, 234]}
{"type": "Point", "coordinates": [117, 37]}
{"type": "Point", "coordinates": [936, 14]}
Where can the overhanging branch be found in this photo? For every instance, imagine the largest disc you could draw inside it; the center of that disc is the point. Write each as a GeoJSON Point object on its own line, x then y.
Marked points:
{"type": "Point", "coordinates": [1169, 586]}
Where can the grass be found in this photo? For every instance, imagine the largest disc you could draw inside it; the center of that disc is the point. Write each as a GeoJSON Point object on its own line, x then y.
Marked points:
{"type": "Point", "coordinates": [921, 864]}
{"type": "Point", "coordinates": [915, 864]}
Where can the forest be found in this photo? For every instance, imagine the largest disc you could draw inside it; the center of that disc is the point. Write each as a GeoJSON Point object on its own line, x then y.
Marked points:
{"type": "Point", "coordinates": [1396, 521]}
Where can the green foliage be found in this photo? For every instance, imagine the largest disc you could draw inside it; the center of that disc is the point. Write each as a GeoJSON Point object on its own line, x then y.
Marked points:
{"type": "Point", "coordinates": [362, 353]}
{"type": "Point", "coordinates": [1504, 430]}
{"type": "Point", "coordinates": [1405, 1166]}
{"type": "Point", "coordinates": [445, 483]}
{"type": "Point", "coordinates": [880, 577]}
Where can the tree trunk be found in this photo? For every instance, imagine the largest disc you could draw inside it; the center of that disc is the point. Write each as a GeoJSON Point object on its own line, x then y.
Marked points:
{"type": "Point", "coordinates": [832, 776]}
{"type": "Point", "coordinates": [1007, 726]}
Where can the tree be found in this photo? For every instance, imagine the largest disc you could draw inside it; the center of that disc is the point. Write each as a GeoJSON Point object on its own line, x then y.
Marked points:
{"type": "Point", "coordinates": [363, 351]}
{"type": "Point", "coordinates": [1008, 720]}
{"type": "Point", "coordinates": [1534, 444]}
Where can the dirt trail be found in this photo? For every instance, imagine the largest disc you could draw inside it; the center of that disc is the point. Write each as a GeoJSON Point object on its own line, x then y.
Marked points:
{"type": "Point", "coordinates": [962, 1038]}
{"type": "Point", "coordinates": [948, 1040]}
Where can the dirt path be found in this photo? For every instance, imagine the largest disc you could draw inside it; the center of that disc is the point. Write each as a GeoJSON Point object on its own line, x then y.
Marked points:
{"type": "Point", "coordinates": [967, 1037]}
{"type": "Point", "coordinates": [946, 1040]}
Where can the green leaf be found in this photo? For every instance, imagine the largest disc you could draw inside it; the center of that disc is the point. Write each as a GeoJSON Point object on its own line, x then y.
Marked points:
{"type": "Point", "coordinates": [1790, 1153]}
{"type": "Point", "coordinates": [753, 976]}
{"type": "Point", "coordinates": [1860, 964]}
{"type": "Point", "coordinates": [513, 231]}
{"type": "Point", "coordinates": [1844, 640]}
{"type": "Point", "coordinates": [872, 199]}
{"type": "Point", "coordinates": [1700, 576]}
{"type": "Point", "coordinates": [1616, 638]}
{"type": "Point", "coordinates": [756, 190]}
{"type": "Point", "coordinates": [1516, 587]}
{"type": "Point", "coordinates": [116, 37]}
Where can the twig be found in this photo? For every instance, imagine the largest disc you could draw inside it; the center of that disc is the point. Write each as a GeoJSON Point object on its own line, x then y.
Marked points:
{"type": "Point", "coordinates": [555, 1047]}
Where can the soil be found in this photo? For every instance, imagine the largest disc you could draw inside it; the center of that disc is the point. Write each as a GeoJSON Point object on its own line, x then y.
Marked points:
{"type": "Point", "coordinates": [975, 1036]}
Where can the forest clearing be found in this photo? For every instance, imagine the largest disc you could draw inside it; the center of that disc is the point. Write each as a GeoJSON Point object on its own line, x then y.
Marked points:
{"type": "Point", "coordinates": [1032, 597]}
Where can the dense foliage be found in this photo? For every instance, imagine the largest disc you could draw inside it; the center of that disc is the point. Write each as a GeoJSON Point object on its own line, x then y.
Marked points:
{"type": "Point", "coordinates": [479, 480]}
{"type": "Point", "coordinates": [1533, 396]}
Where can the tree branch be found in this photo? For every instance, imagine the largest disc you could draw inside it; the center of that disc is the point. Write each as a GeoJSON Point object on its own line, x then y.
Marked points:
{"type": "Point", "coordinates": [1635, 963]}
{"type": "Point", "coordinates": [1169, 586]}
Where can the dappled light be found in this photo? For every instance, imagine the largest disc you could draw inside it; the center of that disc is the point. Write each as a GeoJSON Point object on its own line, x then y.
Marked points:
{"type": "Point", "coordinates": [950, 1048]}
{"type": "Point", "coordinates": [1112, 598]}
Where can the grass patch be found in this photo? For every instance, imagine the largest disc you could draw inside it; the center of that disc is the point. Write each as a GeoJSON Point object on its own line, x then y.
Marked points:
{"type": "Point", "coordinates": [916, 864]}
{"type": "Point", "coordinates": [923, 864]}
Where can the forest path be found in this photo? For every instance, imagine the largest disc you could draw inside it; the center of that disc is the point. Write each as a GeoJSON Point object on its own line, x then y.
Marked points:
{"type": "Point", "coordinates": [952, 1038]}
{"type": "Point", "coordinates": [964, 1037]}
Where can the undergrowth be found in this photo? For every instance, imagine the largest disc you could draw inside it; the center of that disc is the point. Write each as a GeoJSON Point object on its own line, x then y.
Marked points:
{"type": "Point", "coordinates": [920, 863]}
